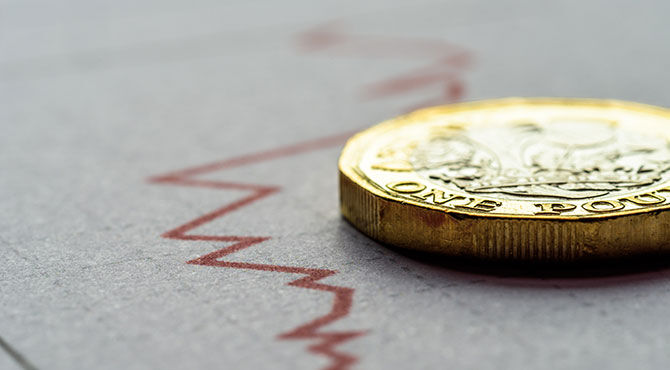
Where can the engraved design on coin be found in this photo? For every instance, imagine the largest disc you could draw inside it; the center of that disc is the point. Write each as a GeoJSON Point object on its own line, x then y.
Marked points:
{"type": "Point", "coordinates": [564, 159]}
{"type": "Point", "coordinates": [508, 179]}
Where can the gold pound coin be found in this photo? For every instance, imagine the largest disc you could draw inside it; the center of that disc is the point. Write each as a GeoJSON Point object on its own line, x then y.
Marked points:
{"type": "Point", "coordinates": [518, 179]}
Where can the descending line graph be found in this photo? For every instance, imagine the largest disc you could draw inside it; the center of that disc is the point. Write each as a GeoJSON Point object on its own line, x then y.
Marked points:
{"type": "Point", "coordinates": [445, 65]}
{"type": "Point", "coordinates": [325, 341]}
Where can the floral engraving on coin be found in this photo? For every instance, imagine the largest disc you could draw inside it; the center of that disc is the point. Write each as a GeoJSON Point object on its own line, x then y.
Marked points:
{"type": "Point", "coordinates": [564, 159]}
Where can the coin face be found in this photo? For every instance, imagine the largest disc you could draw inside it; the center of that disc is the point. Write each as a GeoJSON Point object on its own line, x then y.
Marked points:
{"type": "Point", "coordinates": [515, 159]}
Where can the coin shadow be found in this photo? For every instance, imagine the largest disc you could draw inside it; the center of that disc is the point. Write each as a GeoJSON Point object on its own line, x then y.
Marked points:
{"type": "Point", "coordinates": [596, 273]}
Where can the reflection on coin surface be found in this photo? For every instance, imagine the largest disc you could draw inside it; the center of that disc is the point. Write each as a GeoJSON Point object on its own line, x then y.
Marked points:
{"type": "Point", "coordinates": [526, 179]}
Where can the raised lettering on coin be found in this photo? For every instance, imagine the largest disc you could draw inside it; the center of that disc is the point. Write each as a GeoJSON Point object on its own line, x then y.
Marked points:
{"type": "Point", "coordinates": [554, 208]}
{"type": "Point", "coordinates": [539, 179]}
{"type": "Point", "coordinates": [646, 199]}
{"type": "Point", "coordinates": [406, 187]}
{"type": "Point", "coordinates": [485, 205]}
{"type": "Point", "coordinates": [438, 196]}
{"type": "Point", "coordinates": [601, 206]}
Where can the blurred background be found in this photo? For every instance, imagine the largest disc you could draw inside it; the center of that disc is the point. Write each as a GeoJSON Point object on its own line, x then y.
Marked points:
{"type": "Point", "coordinates": [159, 66]}
{"type": "Point", "coordinates": [96, 97]}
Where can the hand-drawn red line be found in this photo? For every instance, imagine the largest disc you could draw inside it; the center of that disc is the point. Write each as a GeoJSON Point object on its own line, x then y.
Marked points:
{"type": "Point", "coordinates": [448, 61]}
{"type": "Point", "coordinates": [331, 37]}
{"type": "Point", "coordinates": [447, 66]}
{"type": "Point", "coordinates": [343, 296]}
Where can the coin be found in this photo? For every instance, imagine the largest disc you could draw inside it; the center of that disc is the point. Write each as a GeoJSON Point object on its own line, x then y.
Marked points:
{"type": "Point", "coordinates": [519, 179]}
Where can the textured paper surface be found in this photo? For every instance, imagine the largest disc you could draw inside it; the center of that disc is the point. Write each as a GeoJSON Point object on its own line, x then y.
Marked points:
{"type": "Point", "coordinates": [138, 136]}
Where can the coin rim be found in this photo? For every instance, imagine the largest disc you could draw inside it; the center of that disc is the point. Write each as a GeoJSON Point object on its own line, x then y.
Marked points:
{"type": "Point", "coordinates": [355, 147]}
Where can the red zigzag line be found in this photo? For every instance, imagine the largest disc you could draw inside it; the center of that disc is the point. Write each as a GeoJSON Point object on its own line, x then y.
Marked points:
{"type": "Point", "coordinates": [343, 296]}
{"type": "Point", "coordinates": [448, 61]}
